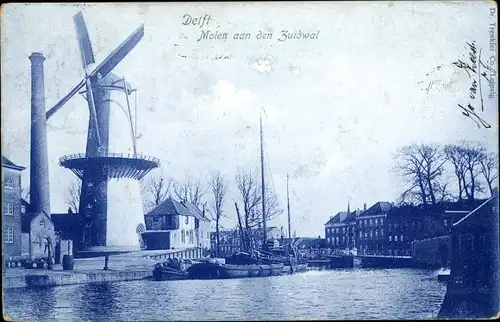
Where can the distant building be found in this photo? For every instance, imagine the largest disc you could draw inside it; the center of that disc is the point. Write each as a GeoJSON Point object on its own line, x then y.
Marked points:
{"type": "Point", "coordinates": [173, 225]}
{"type": "Point", "coordinates": [372, 229]}
{"type": "Point", "coordinates": [11, 208]}
{"type": "Point", "coordinates": [335, 231]}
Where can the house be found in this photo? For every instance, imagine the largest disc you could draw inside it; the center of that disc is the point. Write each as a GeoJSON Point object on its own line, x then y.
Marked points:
{"type": "Point", "coordinates": [372, 229]}
{"type": "Point", "coordinates": [472, 291]}
{"type": "Point", "coordinates": [11, 208]}
{"type": "Point", "coordinates": [37, 235]}
{"type": "Point", "coordinates": [203, 227]}
{"type": "Point", "coordinates": [173, 225]}
{"type": "Point", "coordinates": [40, 230]}
{"type": "Point", "coordinates": [335, 230]}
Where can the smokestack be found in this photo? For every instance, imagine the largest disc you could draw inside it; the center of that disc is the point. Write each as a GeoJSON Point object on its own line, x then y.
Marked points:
{"type": "Point", "coordinates": [364, 207]}
{"type": "Point", "coordinates": [39, 166]}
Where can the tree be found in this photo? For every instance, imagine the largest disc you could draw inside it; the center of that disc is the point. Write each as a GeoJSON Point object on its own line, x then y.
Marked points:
{"type": "Point", "coordinates": [191, 191]}
{"type": "Point", "coordinates": [472, 154]}
{"type": "Point", "coordinates": [489, 169]}
{"type": "Point", "coordinates": [251, 197]}
{"type": "Point", "coordinates": [25, 194]}
{"type": "Point", "coordinates": [454, 155]}
{"type": "Point", "coordinates": [157, 189]}
{"type": "Point", "coordinates": [73, 195]}
{"type": "Point", "coordinates": [422, 166]}
{"type": "Point", "coordinates": [219, 189]}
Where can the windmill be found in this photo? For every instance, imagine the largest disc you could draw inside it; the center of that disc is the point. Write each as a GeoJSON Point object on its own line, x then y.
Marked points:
{"type": "Point", "coordinates": [110, 179]}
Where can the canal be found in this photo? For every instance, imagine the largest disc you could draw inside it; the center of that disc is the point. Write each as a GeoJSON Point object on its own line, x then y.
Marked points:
{"type": "Point", "coordinates": [333, 294]}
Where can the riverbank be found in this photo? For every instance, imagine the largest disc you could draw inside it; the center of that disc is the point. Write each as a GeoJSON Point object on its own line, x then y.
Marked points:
{"type": "Point", "coordinates": [126, 267]}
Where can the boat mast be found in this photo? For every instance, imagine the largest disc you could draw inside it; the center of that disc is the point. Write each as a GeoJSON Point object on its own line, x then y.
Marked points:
{"type": "Point", "coordinates": [288, 207]}
{"type": "Point", "coordinates": [263, 181]}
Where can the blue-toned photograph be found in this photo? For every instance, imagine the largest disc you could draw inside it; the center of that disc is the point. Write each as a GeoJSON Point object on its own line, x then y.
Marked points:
{"type": "Point", "coordinates": [250, 161]}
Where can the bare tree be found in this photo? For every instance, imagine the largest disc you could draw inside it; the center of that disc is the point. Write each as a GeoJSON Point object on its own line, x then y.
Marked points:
{"type": "Point", "coordinates": [489, 169]}
{"type": "Point", "coordinates": [25, 194]}
{"type": "Point", "coordinates": [191, 191]}
{"type": "Point", "coordinates": [251, 197]}
{"type": "Point", "coordinates": [472, 153]}
{"type": "Point", "coordinates": [156, 190]}
{"type": "Point", "coordinates": [422, 167]}
{"type": "Point", "coordinates": [454, 155]}
{"type": "Point", "coordinates": [219, 189]}
{"type": "Point", "coordinates": [73, 195]}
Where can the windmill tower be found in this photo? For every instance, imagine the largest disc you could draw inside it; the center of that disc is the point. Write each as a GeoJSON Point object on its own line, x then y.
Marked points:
{"type": "Point", "coordinates": [110, 169]}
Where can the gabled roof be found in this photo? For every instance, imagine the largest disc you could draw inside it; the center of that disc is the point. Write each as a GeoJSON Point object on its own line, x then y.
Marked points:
{"type": "Point", "coordinates": [338, 218]}
{"type": "Point", "coordinates": [9, 164]}
{"type": "Point", "coordinates": [66, 223]}
{"type": "Point", "coordinates": [26, 220]}
{"type": "Point", "coordinates": [170, 207]}
{"type": "Point", "coordinates": [195, 211]}
{"type": "Point", "coordinates": [380, 207]}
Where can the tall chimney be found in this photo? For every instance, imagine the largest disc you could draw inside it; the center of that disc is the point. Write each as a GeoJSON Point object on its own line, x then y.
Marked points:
{"type": "Point", "coordinates": [39, 166]}
{"type": "Point", "coordinates": [364, 207]}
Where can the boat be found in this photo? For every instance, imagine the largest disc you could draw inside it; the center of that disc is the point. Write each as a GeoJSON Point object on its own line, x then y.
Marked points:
{"type": "Point", "coordinates": [172, 269]}
{"type": "Point", "coordinates": [240, 265]}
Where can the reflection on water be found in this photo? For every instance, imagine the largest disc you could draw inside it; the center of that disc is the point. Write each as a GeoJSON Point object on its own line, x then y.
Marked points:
{"type": "Point", "coordinates": [336, 294]}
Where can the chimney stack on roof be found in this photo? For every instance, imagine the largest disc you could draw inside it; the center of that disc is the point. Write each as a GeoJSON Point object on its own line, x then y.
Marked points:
{"type": "Point", "coordinates": [364, 207]}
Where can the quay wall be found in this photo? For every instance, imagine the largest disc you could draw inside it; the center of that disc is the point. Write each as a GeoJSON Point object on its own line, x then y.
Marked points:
{"type": "Point", "coordinates": [56, 278]}
{"type": "Point", "coordinates": [432, 252]}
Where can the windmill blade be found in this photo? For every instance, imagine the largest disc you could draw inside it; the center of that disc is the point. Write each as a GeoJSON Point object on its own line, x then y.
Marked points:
{"type": "Point", "coordinates": [87, 56]}
{"type": "Point", "coordinates": [83, 40]}
{"type": "Point", "coordinates": [119, 53]}
{"type": "Point", "coordinates": [105, 67]}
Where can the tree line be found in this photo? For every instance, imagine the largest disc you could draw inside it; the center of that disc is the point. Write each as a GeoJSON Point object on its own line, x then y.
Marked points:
{"type": "Point", "coordinates": [429, 172]}
{"type": "Point", "coordinates": [211, 195]}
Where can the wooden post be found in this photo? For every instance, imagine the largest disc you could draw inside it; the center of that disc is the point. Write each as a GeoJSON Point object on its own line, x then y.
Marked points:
{"type": "Point", "coordinates": [106, 260]}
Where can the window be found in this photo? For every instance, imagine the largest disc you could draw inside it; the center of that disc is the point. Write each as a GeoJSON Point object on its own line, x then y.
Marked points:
{"type": "Point", "coordinates": [9, 208]}
{"type": "Point", "coordinates": [8, 235]}
{"type": "Point", "coordinates": [23, 209]}
{"type": "Point", "coordinates": [156, 220]}
{"type": "Point", "coordinates": [183, 236]}
{"type": "Point", "coordinates": [381, 221]}
{"type": "Point", "coordinates": [191, 237]}
{"type": "Point", "coordinates": [201, 234]}
{"type": "Point", "coordinates": [446, 223]}
{"type": "Point", "coordinates": [381, 233]}
{"type": "Point", "coordinates": [376, 233]}
{"type": "Point", "coordinates": [343, 230]}
{"type": "Point", "coordinates": [401, 238]}
{"type": "Point", "coordinates": [9, 183]}
{"type": "Point", "coordinates": [390, 238]}
{"type": "Point", "coordinates": [187, 220]}
{"type": "Point", "coordinates": [42, 223]}
{"type": "Point", "coordinates": [396, 238]}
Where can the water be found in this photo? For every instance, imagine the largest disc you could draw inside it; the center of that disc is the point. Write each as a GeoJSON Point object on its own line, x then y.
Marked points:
{"type": "Point", "coordinates": [334, 294]}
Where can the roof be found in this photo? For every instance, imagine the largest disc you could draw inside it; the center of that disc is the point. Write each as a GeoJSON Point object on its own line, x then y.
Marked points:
{"type": "Point", "coordinates": [66, 223]}
{"type": "Point", "coordinates": [170, 207]}
{"type": "Point", "coordinates": [338, 218]}
{"type": "Point", "coordinates": [380, 207]}
{"type": "Point", "coordinates": [26, 220]}
{"type": "Point", "coordinates": [195, 211]}
{"type": "Point", "coordinates": [9, 164]}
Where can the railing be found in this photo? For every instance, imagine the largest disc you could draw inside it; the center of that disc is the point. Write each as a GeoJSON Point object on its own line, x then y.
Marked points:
{"type": "Point", "coordinates": [109, 155]}
{"type": "Point", "coordinates": [190, 253]}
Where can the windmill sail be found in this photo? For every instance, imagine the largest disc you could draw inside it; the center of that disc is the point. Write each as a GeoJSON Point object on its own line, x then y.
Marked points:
{"type": "Point", "coordinates": [82, 35]}
{"type": "Point", "coordinates": [87, 56]}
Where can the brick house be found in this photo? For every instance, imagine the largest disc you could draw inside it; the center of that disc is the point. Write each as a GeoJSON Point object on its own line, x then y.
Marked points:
{"type": "Point", "coordinates": [11, 208]}
{"type": "Point", "coordinates": [336, 231]}
{"type": "Point", "coordinates": [172, 225]}
{"type": "Point", "coordinates": [372, 229]}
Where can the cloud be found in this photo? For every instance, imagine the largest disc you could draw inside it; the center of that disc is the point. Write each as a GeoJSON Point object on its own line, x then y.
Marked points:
{"type": "Point", "coordinates": [262, 65]}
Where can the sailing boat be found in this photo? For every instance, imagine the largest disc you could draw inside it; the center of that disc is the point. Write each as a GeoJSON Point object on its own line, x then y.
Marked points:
{"type": "Point", "coordinates": [257, 263]}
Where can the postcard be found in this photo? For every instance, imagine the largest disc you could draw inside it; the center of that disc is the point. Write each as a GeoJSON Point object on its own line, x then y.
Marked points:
{"type": "Point", "coordinates": [250, 161]}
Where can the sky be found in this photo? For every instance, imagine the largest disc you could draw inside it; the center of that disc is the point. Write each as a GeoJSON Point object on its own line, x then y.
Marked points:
{"type": "Point", "coordinates": [378, 77]}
